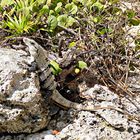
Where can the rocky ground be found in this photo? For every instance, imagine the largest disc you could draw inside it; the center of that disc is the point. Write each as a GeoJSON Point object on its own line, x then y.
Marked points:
{"type": "Point", "coordinates": [83, 125]}
{"type": "Point", "coordinates": [103, 124]}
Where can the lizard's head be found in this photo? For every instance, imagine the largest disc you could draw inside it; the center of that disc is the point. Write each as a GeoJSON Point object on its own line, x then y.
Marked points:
{"type": "Point", "coordinates": [29, 42]}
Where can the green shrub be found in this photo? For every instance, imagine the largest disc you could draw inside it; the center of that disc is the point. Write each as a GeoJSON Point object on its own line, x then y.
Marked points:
{"type": "Point", "coordinates": [26, 15]}
{"type": "Point", "coordinates": [22, 16]}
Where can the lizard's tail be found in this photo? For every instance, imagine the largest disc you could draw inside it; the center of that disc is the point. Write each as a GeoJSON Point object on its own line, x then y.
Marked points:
{"type": "Point", "coordinates": [60, 100]}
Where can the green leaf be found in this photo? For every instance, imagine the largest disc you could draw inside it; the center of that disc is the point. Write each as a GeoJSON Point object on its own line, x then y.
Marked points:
{"type": "Point", "coordinates": [6, 2]}
{"type": "Point", "coordinates": [96, 19]}
{"type": "Point", "coordinates": [62, 19]}
{"type": "Point", "coordinates": [70, 21]}
{"type": "Point", "coordinates": [58, 8]}
{"type": "Point", "coordinates": [72, 44]}
{"type": "Point", "coordinates": [52, 22]}
{"type": "Point", "coordinates": [137, 43]}
{"type": "Point", "coordinates": [82, 64]}
{"type": "Point", "coordinates": [71, 8]}
{"type": "Point", "coordinates": [102, 31]}
{"type": "Point", "coordinates": [116, 11]}
{"type": "Point", "coordinates": [10, 25]}
{"type": "Point", "coordinates": [113, 1]}
{"type": "Point", "coordinates": [98, 5]}
{"type": "Point", "coordinates": [134, 21]}
{"type": "Point", "coordinates": [49, 2]}
{"type": "Point", "coordinates": [130, 14]}
{"type": "Point", "coordinates": [65, 20]}
{"type": "Point", "coordinates": [55, 67]}
{"type": "Point", "coordinates": [109, 30]}
{"type": "Point", "coordinates": [75, 1]}
{"type": "Point", "coordinates": [44, 10]}
{"type": "Point", "coordinates": [1, 9]}
{"type": "Point", "coordinates": [51, 12]}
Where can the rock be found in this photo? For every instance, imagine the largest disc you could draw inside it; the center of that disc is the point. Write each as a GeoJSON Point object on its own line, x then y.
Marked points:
{"type": "Point", "coordinates": [88, 126]}
{"type": "Point", "coordinates": [83, 125]}
{"type": "Point", "coordinates": [45, 135]}
{"type": "Point", "coordinates": [22, 107]}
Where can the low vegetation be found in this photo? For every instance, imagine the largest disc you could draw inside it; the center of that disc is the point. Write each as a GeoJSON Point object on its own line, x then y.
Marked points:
{"type": "Point", "coordinates": [94, 28]}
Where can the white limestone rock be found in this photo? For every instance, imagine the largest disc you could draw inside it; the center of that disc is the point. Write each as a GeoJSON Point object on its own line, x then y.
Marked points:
{"type": "Point", "coordinates": [22, 107]}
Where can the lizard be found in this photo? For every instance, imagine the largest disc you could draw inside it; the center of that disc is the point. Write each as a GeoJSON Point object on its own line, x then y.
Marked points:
{"type": "Point", "coordinates": [39, 56]}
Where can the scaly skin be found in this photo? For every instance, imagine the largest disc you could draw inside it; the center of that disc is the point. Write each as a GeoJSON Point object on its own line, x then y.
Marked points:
{"type": "Point", "coordinates": [39, 55]}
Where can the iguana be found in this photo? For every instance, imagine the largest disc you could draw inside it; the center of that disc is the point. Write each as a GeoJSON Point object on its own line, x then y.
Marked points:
{"type": "Point", "coordinates": [40, 56]}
